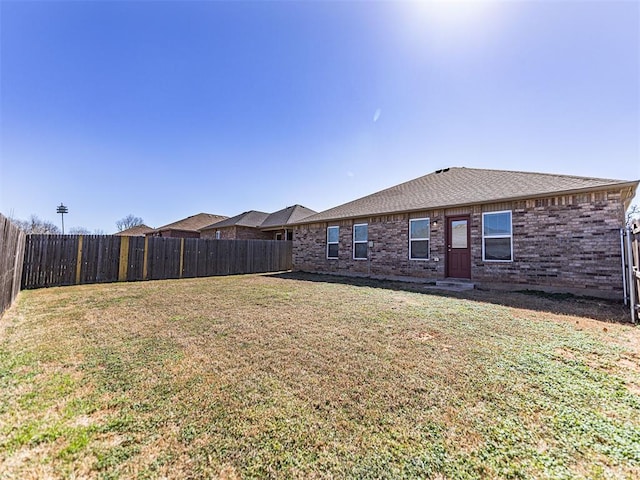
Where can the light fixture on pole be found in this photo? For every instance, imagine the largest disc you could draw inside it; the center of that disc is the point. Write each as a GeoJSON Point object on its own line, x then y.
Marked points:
{"type": "Point", "coordinates": [62, 209]}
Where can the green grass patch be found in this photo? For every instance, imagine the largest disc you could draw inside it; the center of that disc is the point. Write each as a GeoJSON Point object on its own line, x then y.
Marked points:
{"type": "Point", "coordinates": [293, 377]}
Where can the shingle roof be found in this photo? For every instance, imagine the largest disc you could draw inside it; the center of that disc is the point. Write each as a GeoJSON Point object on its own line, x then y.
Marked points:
{"type": "Point", "coordinates": [286, 216]}
{"type": "Point", "coordinates": [137, 231]}
{"type": "Point", "coordinates": [193, 223]}
{"type": "Point", "coordinates": [252, 218]}
{"type": "Point", "coordinates": [459, 186]}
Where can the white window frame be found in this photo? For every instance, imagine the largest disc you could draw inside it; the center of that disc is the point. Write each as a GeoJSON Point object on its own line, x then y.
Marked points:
{"type": "Point", "coordinates": [428, 239]}
{"type": "Point", "coordinates": [366, 242]}
{"type": "Point", "coordinates": [333, 243]}
{"type": "Point", "coordinates": [218, 234]}
{"type": "Point", "coordinates": [510, 236]}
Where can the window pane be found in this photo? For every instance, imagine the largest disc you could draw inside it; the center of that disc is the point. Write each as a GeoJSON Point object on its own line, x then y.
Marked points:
{"type": "Point", "coordinates": [497, 224]}
{"type": "Point", "coordinates": [360, 233]}
{"type": "Point", "coordinates": [360, 250]}
{"type": "Point", "coordinates": [497, 249]}
{"type": "Point", "coordinates": [420, 249]}
{"type": "Point", "coordinates": [333, 250]}
{"type": "Point", "coordinates": [332, 235]}
{"type": "Point", "coordinates": [459, 234]}
{"type": "Point", "coordinates": [419, 228]}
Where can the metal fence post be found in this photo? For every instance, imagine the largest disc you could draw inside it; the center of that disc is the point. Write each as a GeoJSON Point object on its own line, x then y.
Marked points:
{"type": "Point", "coordinates": [631, 276]}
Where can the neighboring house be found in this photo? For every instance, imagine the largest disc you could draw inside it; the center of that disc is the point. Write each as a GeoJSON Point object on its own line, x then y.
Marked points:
{"type": "Point", "coordinates": [258, 225]}
{"type": "Point", "coordinates": [241, 227]}
{"type": "Point", "coordinates": [137, 231]}
{"type": "Point", "coordinates": [187, 227]}
{"type": "Point", "coordinates": [279, 223]}
{"type": "Point", "coordinates": [495, 228]}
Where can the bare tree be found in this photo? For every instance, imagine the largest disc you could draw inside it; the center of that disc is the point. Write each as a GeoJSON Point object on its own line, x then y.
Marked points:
{"type": "Point", "coordinates": [633, 214]}
{"type": "Point", "coordinates": [36, 225]}
{"type": "Point", "coordinates": [79, 231]}
{"type": "Point", "coordinates": [128, 222]}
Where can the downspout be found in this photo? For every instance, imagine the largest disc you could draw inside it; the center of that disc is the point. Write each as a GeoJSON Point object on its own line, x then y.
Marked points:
{"type": "Point", "coordinates": [624, 268]}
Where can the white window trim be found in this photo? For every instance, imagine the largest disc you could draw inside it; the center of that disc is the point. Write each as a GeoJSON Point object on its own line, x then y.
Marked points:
{"type": "Point", "coordinates": [366, 242]}
{"type": "Point", "coordinates": [333, 243]}
{"type": "Point", "coordinates": [218, 234]}
{"type": "Point", "coordinates": [428, 239]}
{"type": "Point", "coordinates": [510, 236]}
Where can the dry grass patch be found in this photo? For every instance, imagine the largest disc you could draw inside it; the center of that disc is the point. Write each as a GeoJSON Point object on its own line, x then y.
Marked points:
{"type": "Point", "coordinates": [291, 377]}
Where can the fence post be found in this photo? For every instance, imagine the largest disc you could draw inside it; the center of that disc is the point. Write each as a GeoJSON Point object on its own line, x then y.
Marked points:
{"type": "Point", "coordinates": [181, 257]}
{"type": "Point", "coordinates": [79, 260]}
{"type": "Point", "coordinates": [624, 267]}
{"type": "Point", "coordinates": [144, 258]}
{"type": "Point", "coordinates": [123, 264]}
{"type": "Point", "coordinates": [632, 292]}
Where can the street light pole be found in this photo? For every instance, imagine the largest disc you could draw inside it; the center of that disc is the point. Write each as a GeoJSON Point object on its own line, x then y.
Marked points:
{"type": "Point", "coordinates": [62, 209]}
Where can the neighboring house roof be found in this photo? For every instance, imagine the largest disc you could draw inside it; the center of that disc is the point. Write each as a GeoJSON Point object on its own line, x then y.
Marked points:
{"type": "Point", "coordinates": [459, 186]}
{"type": "Point", "coordinates": [252, 218]}
{"type": "Point", "coordinates": [255, 219]}
{"type": "Point", "coordinates": [137, 231]}
{"type": "Point", "coordinates": [193, 223]}
{"type": "Point", "coordinates": [286, 216]}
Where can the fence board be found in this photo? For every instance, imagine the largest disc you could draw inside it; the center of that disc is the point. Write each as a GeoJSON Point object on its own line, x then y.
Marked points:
{"type": "Point", "coordinates": [136, 259]}
{"type": "Point", "coordinates": [52, 260]}
{"type": "Point", "coordinates": [12, 245]}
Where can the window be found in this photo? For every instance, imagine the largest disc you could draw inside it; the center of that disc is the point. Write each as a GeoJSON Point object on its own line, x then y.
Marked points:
{"type": "Point", "coordinates": [419, 233]}
{"type": "Point", "coordinates": [278, 236]}
{"type": "Point", "coordinates": [360, 240]}
{"type": "Point", "coordinates": [497, 242]}
{"type": "Point", "coordinates": [459, 233]}
{"type": "Point", "coordinates": [333, 239]}
{"type": "Point", "coordinates": [217, 234]}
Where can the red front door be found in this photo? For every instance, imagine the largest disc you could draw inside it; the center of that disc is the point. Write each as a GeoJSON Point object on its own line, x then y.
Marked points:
{"type": "Point", "coordinates": [458, 247]}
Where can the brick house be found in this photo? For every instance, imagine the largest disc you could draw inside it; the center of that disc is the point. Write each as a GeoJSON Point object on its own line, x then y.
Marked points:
{"type": "Point", "coordinates": [258, 225]}
{"type": "Point", "coordinates": [278, 224]}
{"type": "Point", "coordinates": [244, 226]}
{"type": "Point", "coordinates": [494, 228]}
{"type": "Point", "coordinates": [187, 227]}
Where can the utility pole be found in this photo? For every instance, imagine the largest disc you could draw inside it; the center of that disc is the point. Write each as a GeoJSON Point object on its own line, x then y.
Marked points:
{"type": "Point", "coordinates": [62, 210]}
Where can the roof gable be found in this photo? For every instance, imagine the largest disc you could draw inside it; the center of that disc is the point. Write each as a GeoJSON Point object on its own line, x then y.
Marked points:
{"type": "Point", "coordinates": [252, 218]}
{"type": "Point", "coordinates": [287, 216]}
{"type": "Point", "coordinates": [459, 186]}
{"type": "Point", "coordinates": [193, 223]}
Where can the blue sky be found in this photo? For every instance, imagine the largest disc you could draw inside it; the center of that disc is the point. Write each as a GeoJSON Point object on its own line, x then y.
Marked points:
{"type": "Point", "coordinates": [167, 109]}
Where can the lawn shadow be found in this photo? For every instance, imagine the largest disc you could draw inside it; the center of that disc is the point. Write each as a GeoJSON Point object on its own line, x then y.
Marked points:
{"type": "Point", "coordinates": [557, 303]}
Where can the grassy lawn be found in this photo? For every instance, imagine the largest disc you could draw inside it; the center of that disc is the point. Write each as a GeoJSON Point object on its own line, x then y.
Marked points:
{"type": "Point", "coordinates": [263, 376]}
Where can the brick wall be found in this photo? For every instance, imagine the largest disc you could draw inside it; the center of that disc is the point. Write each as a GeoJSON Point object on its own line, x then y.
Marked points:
{"type": "Point", "coordinates": [567, 243]}
{"type": "Point", "coordinates": [226, 233]}
{"type": "Point", "coordinates": [249, 233]}
{"type": "Point", "coordinates": [179, 234]}
{"type": "Point", "coordinates": [238, 233]}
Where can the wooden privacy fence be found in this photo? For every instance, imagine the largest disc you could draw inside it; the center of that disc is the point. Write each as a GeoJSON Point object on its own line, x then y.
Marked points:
{"type": "Point", "coordinates": [12, 241]}
{"type": "Point", "coordinates": [54, 260]}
